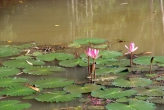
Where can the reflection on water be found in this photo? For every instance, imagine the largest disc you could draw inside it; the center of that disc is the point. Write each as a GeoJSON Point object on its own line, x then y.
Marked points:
{"type": "Point", "coordinates": [62, 21]}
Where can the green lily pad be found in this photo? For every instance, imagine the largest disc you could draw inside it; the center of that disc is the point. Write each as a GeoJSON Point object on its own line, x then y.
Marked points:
{"type": "Point", "coordinates": [133, 105]}
{"type": "Point", "coordinates": [100, 46]}
{"type": "Point", "coordinates": [141, 68]}
{"type": "Point", "coordinates": [13, 105]}
{"type": "Point", "coordinates": [123, 99]}
{"type": "Point", "coordinates": [149, 92]}
{"type": "Point", "coordinates": [74, 45]}
{"type": "Point", "coordinates": [69, 63]}
{"type": "Point", "coordinates": [157, 100]}
{"type": "Point", "coordinates": [113, 93]}
{"type": "Point", "coordinates": [5, 71]}
{"type": "Point", "coordinates": [104, 71]}
{"type": "Point", "coordinates": [89, 40]}
{"type": "Point", "coordinates": [17, 91]}
{"type": "Point", "coordinates": [63, 56]}
{"type": "Point", "coordinates": [46, 57]}
{"type": "Point", "coordinates": [85, 89]}
{"type": "Point", "coordinates": [12, 82]}
{"type": "Point", "coordinates": [37, 53]}
{"type": "Point", "coordinates": [143, 60]}
{"type": "Point", "coordinates": [110, 54]}
{"type": "Point", "coordinates": [53, 82]}
{"type": "Point", "coordinates": [43, 70]}
{"type": "Point", "coordinates": [21, 63]}
{"type": "Point", "coordinates": [22, 57]}
{"type": "Point", "coordinates": [132, 82]}
{"type": "Point", "coordinates": [58, 96]}
{"type": "Point", "coordinates": [7, 50]}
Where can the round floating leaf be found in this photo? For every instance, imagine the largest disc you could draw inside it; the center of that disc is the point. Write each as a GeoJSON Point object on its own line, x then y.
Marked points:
{"type": "Point", "coordinates": [21, 63]}
{"type": "Point", "coordinates": [57, 97]}
{"type": "Point", "coordinates": [89, 40]}
{"type": "Point", "coordinates": [113, 93]}
{"type": "Point", "coordinates": [149, 92]}
{"type": "Point", "coordinates": [63, 56]}
{"type": "Point", "coordinates": [37, 53]}
{"type": "Point", "coordinates": [17, 91]}
{"type": "Point", "coordinates": [141, 68]}
{"type": "Point", "coordinates": [8, 51]}
{"type": "Point", "coordinates": [22, 57]}
{"type": "Point", "coordinates": [25, 45]}
{"type": "Point", "coordinates": [69, 63]}
{"type": "Point", "coordinates": [74, 45]}
{"type": "Point", "coordinates": [123, 99]}
{"type": "Point", "coordinates": [78, 89]}
{"type": "Point", "coordinates": [143, 60]}
{"type": "Point", "coordinates": [53, 82]}
{"type": "Point", "coordinates": [46, 57]}
{"type": "Point", "coordinates": [100, 46]}
{"type": "Point", "coordinates": [133, 105]}
{"type": "Point", "coordinates": [5, 71]}
{"type": "Point", "coordinates": [159, 59]}
{"type": "Point", "coordinates": [110, 54]}
{"type": "Point", "coordinates": [102, 61]}
{"type": "Point", "coordinates": [13, 105]}
{"type": "Point", "coordinates": [11, 82]}
{"type": "Point", "coordinates": [43, 70]}
{"type": "Point", "coordinates": [104, 71]}
{"type": "Point", "coordinates": [133, 82]}
{"type": "Point", "coordinates": [160, 78]}
{"type": "Point", "coordinates": [157, 100]}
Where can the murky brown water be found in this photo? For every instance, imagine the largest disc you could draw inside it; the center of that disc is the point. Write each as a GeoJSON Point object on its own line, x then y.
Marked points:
{"type": "Point", "coordinates": [62, 21]}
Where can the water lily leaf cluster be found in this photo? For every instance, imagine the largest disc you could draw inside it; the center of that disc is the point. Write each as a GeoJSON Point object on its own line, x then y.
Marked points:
{"type": "Point", "coordinates": [13, 105]}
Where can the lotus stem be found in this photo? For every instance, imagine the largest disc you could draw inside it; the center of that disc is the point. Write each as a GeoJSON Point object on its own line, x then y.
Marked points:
{"type": "Point", "coordinates": [151, 61]}
{"type": "Point", "coordinates": [93, 68]}
{"type": "Point", "coordinates": [89, 71]}
{"type": "Point", "coordinates": [131, 59]}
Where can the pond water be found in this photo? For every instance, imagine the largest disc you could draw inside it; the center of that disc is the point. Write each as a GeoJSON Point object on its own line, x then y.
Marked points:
{"type": "Point", "coordinates": [62, 21]}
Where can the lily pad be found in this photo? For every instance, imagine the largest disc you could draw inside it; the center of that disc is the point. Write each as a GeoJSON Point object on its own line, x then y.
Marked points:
{"type": "Point", "coordinates": [141, 68]}
{"type": "Point", "coordinates": [69, 63]}
{"type": "Point", "coordinates": [5, 71]}
{"type": "Point", "coordinates": [53, 82]}
{"type": "Point", "coordinates": [143, 60]}
{"type": "Point", "coordinates": [133, 105]}
{"type": "Point", "coordinates": [58, 96]}
{"type": "Point", "coordinates": [63, 56]}
{"type": "Point", "coordinates": [21, 63]}
{"type": "Point", "coordinates": [13, 105]}
{"type": "Point", "coordinates": [89, 40]}
{"type": "Point", "coordinates": [12, 82]}
{"type": "Point", "coordinates": [46, 57]}
{"type": "Point", "coordinates": [110, 54]}
{"type": "Point", "coordinates": [149, 92]}
{"type": "Point", "coordinates": [43, 70]}
{"type": "Point", "coordinates": [17, 91]}
{"type": "Point", "coordinates": [157, 100]}
{"type": "Point", "coordinates": [85, 89]}
{"type": "Point", "coordinates": [7, 50]}
{"type": "Point", "coordinates": [104, 71]}
{"type": "Point", "coordinates": [132, 82]}
{"type": "Point", "coordinates": [113, 93]}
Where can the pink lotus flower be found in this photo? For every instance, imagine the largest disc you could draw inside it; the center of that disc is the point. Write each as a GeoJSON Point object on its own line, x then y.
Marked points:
{"type": "Point", "coordinates": [131, 48]}
{"type": "Point", "coordinates": [92, 53]}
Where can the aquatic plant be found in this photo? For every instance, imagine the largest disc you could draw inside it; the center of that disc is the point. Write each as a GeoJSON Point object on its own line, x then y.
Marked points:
{"type": "Point", "coordinates": [131, 49]}
{"type": "Point", "coordinates": [93, 53]}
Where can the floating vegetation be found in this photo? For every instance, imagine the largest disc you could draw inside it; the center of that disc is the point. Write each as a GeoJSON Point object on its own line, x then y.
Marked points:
{"type": "Point", "coordinates": [43, 70]}
{"type": "Point", "coordinates": [13, 105]}
{"type": "Point", "coordinates": [53, 82]}
{"type": "Point", "coordinates": [61, 76]}
{"type": "Point", "coordinates": [58, 96]}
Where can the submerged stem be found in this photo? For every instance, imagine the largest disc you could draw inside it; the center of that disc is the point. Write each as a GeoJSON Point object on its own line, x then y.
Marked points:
{"type": "Point", "coordinates": [131, 59]}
